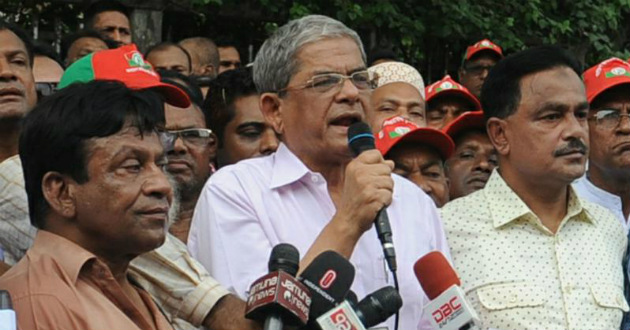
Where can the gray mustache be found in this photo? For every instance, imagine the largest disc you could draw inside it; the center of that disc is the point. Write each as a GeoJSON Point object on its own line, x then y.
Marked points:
{"type": "Point", "coordinates": [575, 145]}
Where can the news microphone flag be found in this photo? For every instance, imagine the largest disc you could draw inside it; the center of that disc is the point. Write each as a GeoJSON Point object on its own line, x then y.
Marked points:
{"type": "Point", "coordinates": [278, 298]}
{"type": "Point", "coordinates": [328, 277]}
{"type": "Point", "coordinates": [339, 317]}
{"type": "Point", "coordinates": [448, 309]}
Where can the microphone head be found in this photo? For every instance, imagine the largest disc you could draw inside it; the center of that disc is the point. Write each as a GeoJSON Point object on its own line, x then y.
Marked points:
{"type": "Point", "coordinates": [378, 306]}
{"type": "Point", "coordinates": [284, 257]}
{"type": "Point", "coordinates": [360, 138]}
{"type": "Point", "coordinates": [328, 277]}
{"type": "Point", "coordinates": [435, 274]}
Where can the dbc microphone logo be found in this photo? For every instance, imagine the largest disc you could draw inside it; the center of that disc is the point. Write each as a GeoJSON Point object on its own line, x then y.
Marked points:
{"type": "Point", "coordinates": [328, 279]}
{"type": "Point", "coordinates": [341, 321]}
{"type": "Point", "coordinates": [448, 311]}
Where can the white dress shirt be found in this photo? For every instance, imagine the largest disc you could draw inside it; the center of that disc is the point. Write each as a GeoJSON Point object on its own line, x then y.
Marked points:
{"type": "Point", "coordinates": [519, 275]}
{"type": "Point", "coordinates": [247, 208]}
{"type": "Point", "coordinates": [590, 192]}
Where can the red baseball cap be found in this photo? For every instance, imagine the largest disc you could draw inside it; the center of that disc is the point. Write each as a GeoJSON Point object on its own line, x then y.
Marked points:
{"type": "Point", "coordinates": [127, 65]}
{"type": "Point", "coordinates": [398, 129]}
{"type": "Point", "coordinates": [607, 74]}
{"type": "Point", "coordinates": [482, 45]}
{"type": "Point", "coordinates": [468, 120]}
{"type": "Point", "coordinates": [448, 86]}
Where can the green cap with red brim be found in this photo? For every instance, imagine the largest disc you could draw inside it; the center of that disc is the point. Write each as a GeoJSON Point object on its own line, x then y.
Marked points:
{"type": "Point", "coordinates": [124, 64]}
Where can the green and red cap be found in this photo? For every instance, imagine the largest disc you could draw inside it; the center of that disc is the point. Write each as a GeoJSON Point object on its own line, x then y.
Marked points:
{"type": "Point", "coordinates": [448, 86]}
{"type": "Point", "coordinates": [482, 45]}
{"type": "Point", "coordinates": [124, 64]}
{"type": "Point", "coordinates": [607, 74]}
{"type": "Point", "coordinates": [398, 129]}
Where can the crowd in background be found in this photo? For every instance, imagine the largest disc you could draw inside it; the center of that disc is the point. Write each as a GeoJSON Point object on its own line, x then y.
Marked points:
{"type": "Point", "coordinates": [146, 191]}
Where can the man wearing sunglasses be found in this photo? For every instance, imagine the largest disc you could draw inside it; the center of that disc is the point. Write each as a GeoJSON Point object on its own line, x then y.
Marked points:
{"type": "Point", "coordinates": [478, 60]}
{"type": "Point", "coordinates": [311, 193]}
{"type": "Point", "coordinates": [190, 148]}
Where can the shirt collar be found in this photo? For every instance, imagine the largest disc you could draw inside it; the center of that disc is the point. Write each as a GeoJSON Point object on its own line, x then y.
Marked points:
{"type": "Point", "coordinates": [287, 168]}
{"type": "Point", "coordinates": [67, 254]}
{"type": "Point", "coordinates": [506, 206]}
{"type": "Point", "coordinates": [601, 194]}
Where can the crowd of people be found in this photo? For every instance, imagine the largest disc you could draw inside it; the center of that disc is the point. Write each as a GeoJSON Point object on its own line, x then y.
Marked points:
{"type": "Point", "coordinates": [146, 191]}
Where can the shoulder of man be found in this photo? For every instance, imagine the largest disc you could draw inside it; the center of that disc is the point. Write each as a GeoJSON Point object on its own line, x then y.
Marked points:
{"type": "Point", "coordinates": [603, 216]}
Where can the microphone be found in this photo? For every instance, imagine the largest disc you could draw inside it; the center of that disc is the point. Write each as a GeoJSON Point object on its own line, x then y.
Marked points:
{"type": "Point", "coordinates": [7, 314]}
{"type": "Point", "coordinates": [328, 277]}
{"type": "Point", "coordinates": [360, 139]}
{"type": "Point", "coordinates": [372, 310]}
{"type": "Point", "coordinates": [448, 309]}
{"type": "Point", "coordinates": [278, 298]}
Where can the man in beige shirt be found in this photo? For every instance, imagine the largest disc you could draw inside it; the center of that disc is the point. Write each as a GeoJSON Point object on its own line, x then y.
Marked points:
{"type": "Point", "coordinates": [93, 167]}
{"type": "Point", "coordinates": [530, 253]}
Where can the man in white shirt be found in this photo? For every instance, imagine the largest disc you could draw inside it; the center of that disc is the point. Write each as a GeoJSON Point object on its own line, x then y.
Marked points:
{"type": "Point", "coordinates": [311, 193]}
{"type": "Point", "coordinates": [607, 181]}
{"type": "Point", "coordinates": [529, 252]}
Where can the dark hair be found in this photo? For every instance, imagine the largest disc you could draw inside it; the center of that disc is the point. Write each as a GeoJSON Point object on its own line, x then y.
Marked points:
{"type": "Point", "coordinates": [223, 41]}
{"type": "Point", "coordinates": [164, 46]}
{"type": "Point", "coordinates": [41, 49]}
{"type": "Point", "coordinates": [101, 6]}
{"type": "Point", "coordinates": [501, 91]}
{"type": "Point", "coordinates": [69, 39]}
{"type": "Point", "coordinates": [54, 135]}
{"type": "Point", "coordinates": [186, 83]}
{"type": "Point", "coordinates": [381, 54]}
{"type": "Point", "coordinates": [226, 89]}
{"type": "Point", "coordinates": [20, 33]}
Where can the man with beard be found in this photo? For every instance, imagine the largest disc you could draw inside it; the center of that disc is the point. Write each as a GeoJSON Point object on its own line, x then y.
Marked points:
{"type": "Point", "coordinates": [192, 151]}
{"type": "Point", "coordinates": [530, 253]}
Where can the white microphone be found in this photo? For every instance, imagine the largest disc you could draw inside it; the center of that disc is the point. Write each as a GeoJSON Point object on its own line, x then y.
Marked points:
{"type": "Point", "coordinates": [448, 309]}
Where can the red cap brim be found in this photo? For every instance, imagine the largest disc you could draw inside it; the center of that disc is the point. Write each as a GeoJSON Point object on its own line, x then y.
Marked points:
{"type": "Point", "coordinates": [468, 120]}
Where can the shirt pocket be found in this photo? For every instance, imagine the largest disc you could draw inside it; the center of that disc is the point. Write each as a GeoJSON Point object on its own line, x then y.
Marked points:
{"type": "Point", "coordinates": [609, 296]}
{"type": "Point", "coordinates": [496, 297]}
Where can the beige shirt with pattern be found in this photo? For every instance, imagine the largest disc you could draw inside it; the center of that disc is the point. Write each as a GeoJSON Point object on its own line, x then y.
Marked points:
{"type": "Point", "coordinates": [519, 275]}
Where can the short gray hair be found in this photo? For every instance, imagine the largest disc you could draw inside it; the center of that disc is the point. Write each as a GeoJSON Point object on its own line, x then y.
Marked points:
{"type": "Point", "coordinates": [276, 61]}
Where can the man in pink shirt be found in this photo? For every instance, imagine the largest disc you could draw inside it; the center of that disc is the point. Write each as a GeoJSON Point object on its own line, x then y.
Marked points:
{"type": "Point", "coordinates": [311, 193]}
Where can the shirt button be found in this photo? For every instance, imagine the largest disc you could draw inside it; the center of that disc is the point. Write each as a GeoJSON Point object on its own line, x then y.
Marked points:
{"type": "Point", "coordinates": [314, 178]}
{"type": "Point", "coordinates": [514, 298]}
{"type": "Point", "coordinates": [567, 289]}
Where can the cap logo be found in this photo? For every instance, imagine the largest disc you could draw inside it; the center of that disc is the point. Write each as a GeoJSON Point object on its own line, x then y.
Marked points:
{"type": "Point", "coordinates": [399, 131]}
{"type": "Point", "coordinates": [445, 85]}
{"type": "Point", "coordinates": [393, 120]}
{"type": "Point", "coordinates": [617, 71]}
{"type": "Point", "coordinates": [485, 43]}
{"type": "Point", "coordinates": [137, 63]}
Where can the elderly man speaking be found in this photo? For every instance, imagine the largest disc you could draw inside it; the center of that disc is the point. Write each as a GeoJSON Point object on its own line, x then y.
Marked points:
{"type": "Point", "coordinates": [311, 193]}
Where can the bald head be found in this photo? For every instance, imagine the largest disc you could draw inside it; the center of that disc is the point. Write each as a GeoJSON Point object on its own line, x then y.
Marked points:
{"type": "Point", "coordinates": [204, 55]}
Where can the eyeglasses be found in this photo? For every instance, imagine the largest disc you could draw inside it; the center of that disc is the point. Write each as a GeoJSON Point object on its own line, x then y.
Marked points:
{"type": "Point", "coordinates": [45, 88]}
{"type": "Point", "coordinates": [478, 69]}
{"type": "Point", "coordinates": [608, 118]}
{"type": "Point", "coordinates": [198, 137]}
{"type": "Point", "coordinates": [322, 83]}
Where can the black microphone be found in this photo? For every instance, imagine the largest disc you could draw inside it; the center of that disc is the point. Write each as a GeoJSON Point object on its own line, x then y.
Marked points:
{"type": "Point", "coordinates": [7, 314]}
{"type": "Point", "coordinates": [278, 298]}
{"type": "Point", "coordinates": [375, 308]}
{"type": "Point", "coordinates": [328, 277]}
{"type": "Point", "coordinates": [360, 139]}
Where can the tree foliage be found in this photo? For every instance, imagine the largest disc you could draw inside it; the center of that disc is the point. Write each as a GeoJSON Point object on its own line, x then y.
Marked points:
{"type": "Point", "coordinates": [433, 34]}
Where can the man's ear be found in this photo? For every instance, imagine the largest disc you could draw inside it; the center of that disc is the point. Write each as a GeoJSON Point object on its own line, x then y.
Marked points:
{"type": "Point", "coordinates": [271, 107]}
{"type": "Point", "coordinates": [58, 190]}
{"type": "Point", "coordinates": [210, 70]}
{"type": "Point", "coordinates": [497, 133]}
